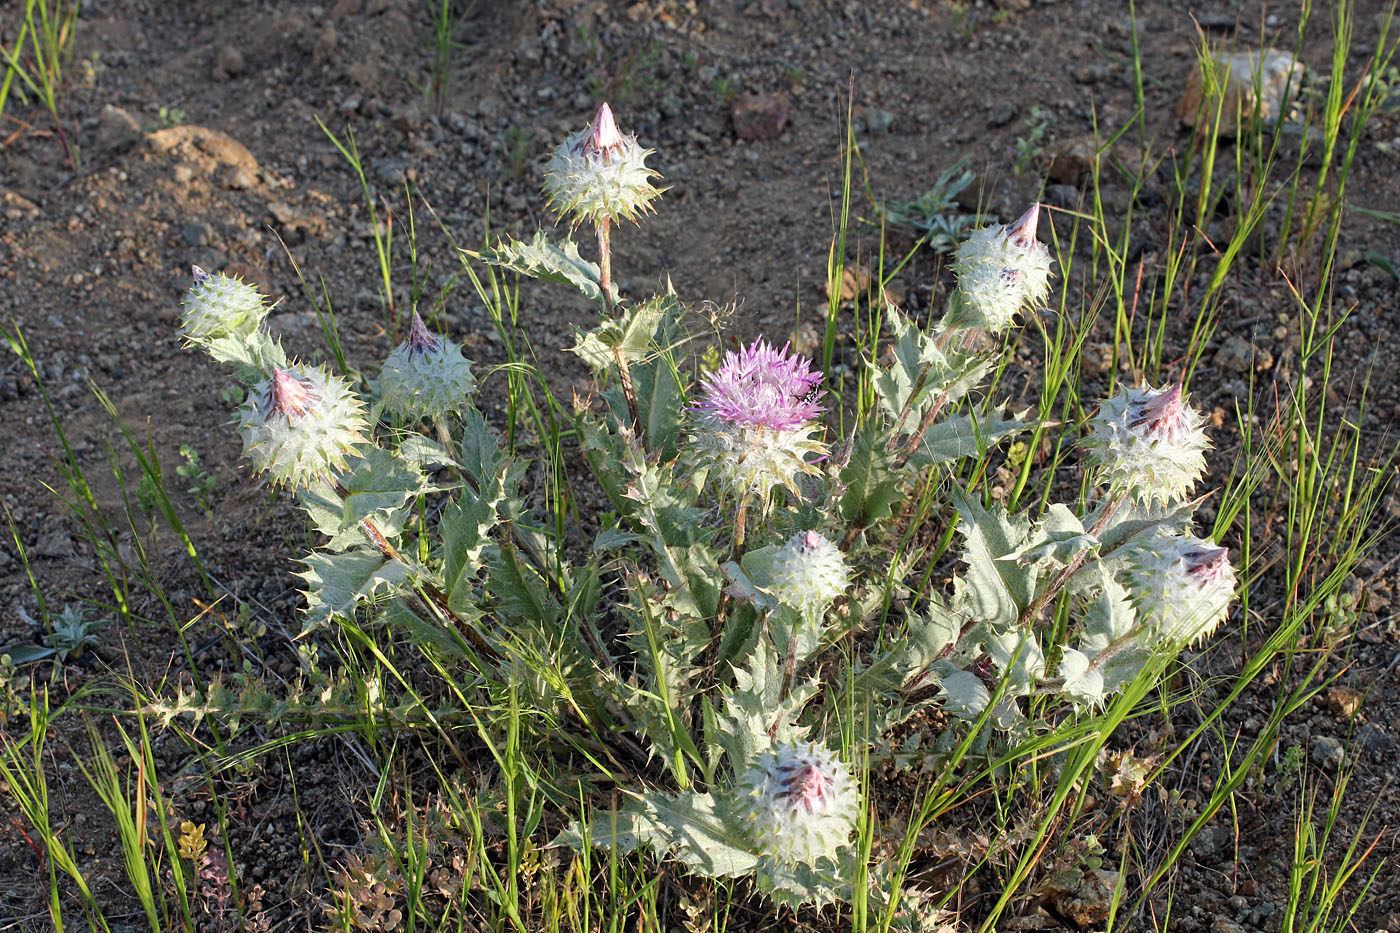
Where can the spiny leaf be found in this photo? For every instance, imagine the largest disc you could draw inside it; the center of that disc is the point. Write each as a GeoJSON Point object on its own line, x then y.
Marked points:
{"type": "Point", "coordinates": [963, 436]}
{"type": "Point", "coordinates": [992, 590]}
{"type": "Point", "coordinates": [872, 487]}
{"type": "Point", "coordinates": [687, 825]}
{"type": "Point", "coordinates": [542, 259]}
{"type": "Point", "coordinates": [337, 582]}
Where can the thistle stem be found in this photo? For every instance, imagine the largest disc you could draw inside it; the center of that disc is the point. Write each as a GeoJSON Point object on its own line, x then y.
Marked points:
{"type": "Point", "coordinates": [741, 516]}
{"type": "Point", "coordinates": [605, 262]}
{"type": "Point", "coordinates": [927, 421]}
{"type": "Point", "coordinates": [1037, 605]}
{"type": "Point", "coordinates": [434, 595]}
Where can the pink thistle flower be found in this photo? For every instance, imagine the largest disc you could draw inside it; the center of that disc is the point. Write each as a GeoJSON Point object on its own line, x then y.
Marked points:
{"type": "Point", "coordinates": [760, 386]}
{"type": "Point", "coordinates": [290, 397]}
{"type": "Point", "coordinates": [602, 139]}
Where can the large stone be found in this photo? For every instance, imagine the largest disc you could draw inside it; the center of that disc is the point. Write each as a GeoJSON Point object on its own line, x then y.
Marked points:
{"type": "Point", "coordinates": [117, 129]}
{"type": "Point", "coordinates": [1241, 84]}
{"type": "Point", "coordinates": [213, 153]}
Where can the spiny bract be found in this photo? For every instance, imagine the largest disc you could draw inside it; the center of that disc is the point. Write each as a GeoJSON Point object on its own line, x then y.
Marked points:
{"type": "Point", "coordinates": [798, 802]}
{"type": "Point", "coordinates": [1004, 269]}
{"type": "Point", "coordinates": [599, 174]}
{"type": "Point", "coordinates": [1181, 586]}
{"type": "Point", "coordinates": [300, 424]}
{"type": "Point", "coordinates": [1147, 444]}
{"type": "Point", "coordinates": [426, 375]}
{"type": "Point", "coordinates": [220, 306]}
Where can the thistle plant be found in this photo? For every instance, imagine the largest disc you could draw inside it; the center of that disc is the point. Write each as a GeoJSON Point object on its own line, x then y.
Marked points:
{"type": "Point", "coordinates": [740, 601]}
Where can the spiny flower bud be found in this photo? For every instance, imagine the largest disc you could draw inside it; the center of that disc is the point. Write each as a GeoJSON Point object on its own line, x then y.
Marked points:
{"type": "Point", "coordinates": [300, 424]}
{"type": "Point", "coordinates": [809, 572]}
{"type": "Point", "coordinates": [1003, 269]}
{"type": "Point", "coordinates": [426, 375]}
{"type": "Point", "coordinates": [798, 802]}
{"type": "Point", "coordinates": [1147, 444]}
{"type": "Point", "coordinates": [598, 174]}
{"type": "Point", "coordinates": [1181, 585]}
{"type": "Point", "coordinates": [755, 419]}
{"type": "Point", "coordinates": [219, 306]}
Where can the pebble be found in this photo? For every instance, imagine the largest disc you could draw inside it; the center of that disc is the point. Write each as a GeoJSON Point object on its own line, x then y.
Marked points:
{"type": "Point", "coordinates": [228, 63]}
{"type": "Point", "coordinates": [55, 543]}
{"type": "Point", "coordinates": [1002, 115]}
{"type": "Point", "coordinates": [760, 116]}
{"type": "Point", "coordinates": [1327, 752]}
{"type": "Point", "coordinates": [198, 235]}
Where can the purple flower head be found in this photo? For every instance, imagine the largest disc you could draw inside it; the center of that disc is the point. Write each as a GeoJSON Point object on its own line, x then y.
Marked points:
{"type": "Point", "coordinates": [760, 386]}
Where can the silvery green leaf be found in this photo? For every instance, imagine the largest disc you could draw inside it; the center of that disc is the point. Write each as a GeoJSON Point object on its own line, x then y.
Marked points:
{"type": "Point", "coordinates": [1057, 538]}
{"type": "Point", "coordinates": [542, 259]}
{"type": "Point", "coordinates": [755, 714]}
{"type": "Point", "coordinates": [253, 356]}
{"type": "Point", "coordinates": [375, 482]}
{"type": "Point", "coordinates": [1018, 656]}
{"type": "Point", "coordinates": [520, 590]}
{"type": "Point", "coordinates": [423, 452]}
{"type": "Point", "coordinates": [992, 590]}
{"type": "Point", "coordinates": [687, 825]}
{"type": "Point", "coordinates": [336, 583]}
{"type": "Point", "coordinates": [927, 637]}
{"type": "Point", "coordinates": [1130, 520]}
{"type": "Point", "coordinates": [872, 488]}
{"type": "Point", "coordinates": [963, 694]}
{"type": "Point", "coordinates": [613, 539]}
{"type": "Point", "coordinates": [478, 451]}
{"type": "Point", "coordinates": [963, 436]}
{"type": "Point", "coordinates": [800, 885]}
{"type": "Point", "coordinates": [631, 334]}
{"type": "Point", "coordinates": [1108, 617]}
{"type": "Point", "coordinates": [915, 354]}
{"type": "Point", "coordinates": [1083, 684]}
{"type": "Point", "coordinates": [465, 527]}
{"type": "Point", "coordinates": [751, 576]}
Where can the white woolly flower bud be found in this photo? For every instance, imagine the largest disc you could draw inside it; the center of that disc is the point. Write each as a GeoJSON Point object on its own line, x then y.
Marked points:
{"type": "Point", "coordinates": [809, 572]}
{"type": "Point", "coordinates": [426, 375]}
{"type": "Point", "coordinates": [1182, 587]}
{"type": "Point", "coordinates": [1004, 269]}
{"type": "Point", "coordinates": [598, 174]}
{"type": "Point", "coordinates": [219, 306]}
{"type": "Point", "coordinates": [300, 424]}
{"type": "Point", "coordinates": [798, 802]}
{"type": "Point", "coordinates": [1147, 444]}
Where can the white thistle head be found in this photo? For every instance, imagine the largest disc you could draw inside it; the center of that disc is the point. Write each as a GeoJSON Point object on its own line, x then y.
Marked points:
{"type": "Point", "coordinates": [1147, 444]}
{"type": "Point", "coordinates": [598, 173]}
{"type": "Point", "coordinates": [220, 306]}
{"type": "Point", "coordinates": [1182, 587]}
{"type": "Point", "coordinates": [809, 572]}
{"type": "Point", "coordinates": [1003, 270]}
{"type": "Point", "coordinates": [426, 375]}
{"type": "Point", "coordinates": [300, 424]}
{"type": "Point", "coordinates": [798, 802]}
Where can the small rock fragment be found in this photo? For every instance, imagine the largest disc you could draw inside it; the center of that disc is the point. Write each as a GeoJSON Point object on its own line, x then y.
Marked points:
{"type": "Point", "coordinates": [760, 116]}
{"type": "Point", "coordinates": [1327, 752]}
{"type": "Point", "coordinates": [118, 129]}
{"type": "Point", "coordinates": [228, 63]}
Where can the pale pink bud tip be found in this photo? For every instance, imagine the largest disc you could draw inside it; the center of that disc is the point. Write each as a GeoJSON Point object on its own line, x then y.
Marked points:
{"type": "Point", "coordinates": [1207, 565]}
{"type": "Point", "coordinates": [291, 397]}
{"type": "Point", "coordinates": [200, 276]}
{"type": "Point", "coordinates": [803, 785]}
{"type": "Point", "coordinates": [603, 137]}
{"type": "Point", "coordinates": [420, 339]}
{"type": "Point", "coordinates": [1163, 416]}
{"type": "Point", "coordinates": [1022, 232]}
